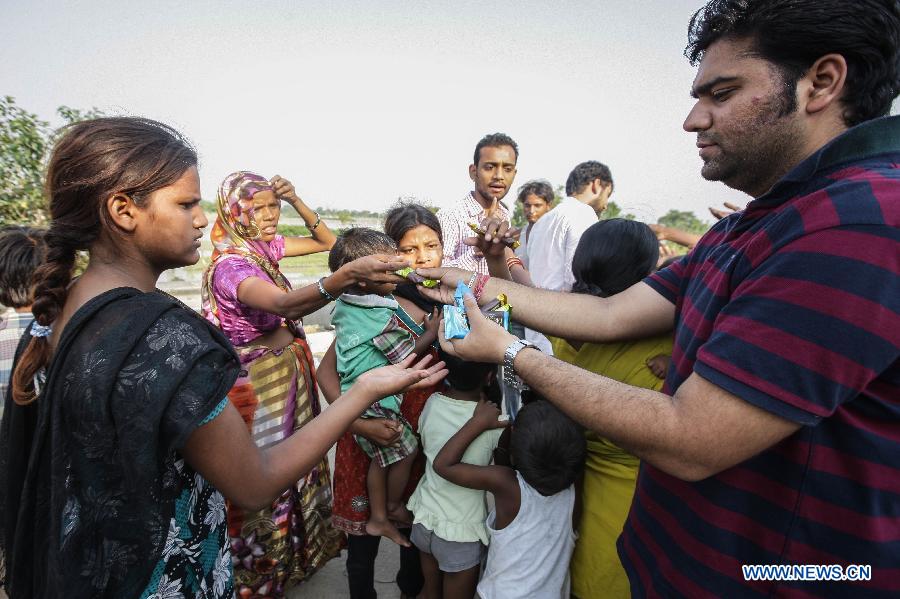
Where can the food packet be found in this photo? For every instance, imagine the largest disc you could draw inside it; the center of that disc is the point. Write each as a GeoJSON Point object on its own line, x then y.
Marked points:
{"type": "Point", "coordinates": [498, 310]}
{"type": "Point", "coordinates": [414, 277]}
{"type": "Point", "coordinates": [456, 325]}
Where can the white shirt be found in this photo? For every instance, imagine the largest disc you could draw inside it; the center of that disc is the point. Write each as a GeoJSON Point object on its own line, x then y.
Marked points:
{"type": "Point", "coordinates": [529, 559]}
{"type": "Point", "coordinates": [552, 243]}
{"type": "Point", "coordinates": [455, 227]}
{"type": "Point", "coordinates": [551, 247]}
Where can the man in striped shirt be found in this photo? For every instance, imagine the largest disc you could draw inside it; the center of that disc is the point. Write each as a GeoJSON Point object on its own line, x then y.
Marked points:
{"type": "Point", "coordinates": [492, 171]}
{"type": "Point", "coordinates": [776, 439]}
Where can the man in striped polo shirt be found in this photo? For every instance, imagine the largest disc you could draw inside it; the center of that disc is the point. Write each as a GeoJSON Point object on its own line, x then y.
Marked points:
{"type": "Point", "coordinates": [776, 440]}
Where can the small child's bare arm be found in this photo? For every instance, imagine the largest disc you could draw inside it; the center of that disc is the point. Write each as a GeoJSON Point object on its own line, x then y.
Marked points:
{"type": "Point", "coordinates": [499, 480]}
{"type": "Point", "coordinates": [431, 325]}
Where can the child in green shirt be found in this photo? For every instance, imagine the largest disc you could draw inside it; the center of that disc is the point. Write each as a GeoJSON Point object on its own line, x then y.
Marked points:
{"type": "Point", "coordinates": [368, 335]}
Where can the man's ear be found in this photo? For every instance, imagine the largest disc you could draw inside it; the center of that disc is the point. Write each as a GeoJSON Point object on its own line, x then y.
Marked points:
{"type": "Point", "coordinates": [122, 211]}
{"type": "Point", "coordinates": [472, 170]}
{"type": "Point", "coordinates": [824, 82]}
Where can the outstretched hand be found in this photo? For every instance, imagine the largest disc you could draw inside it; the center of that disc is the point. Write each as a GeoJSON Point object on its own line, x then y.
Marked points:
{"type": "Point", "coordinates": [497, 235]}
{"type": "Point", "coordinates": [486, 341]}
{"type": "Point", "coordinates": [400, 377]}
{"type": "Point", "coordinates": [377, 268]}
{"type": "Point", "coordinates": [720, 214]}
{"type": "Point", "coordinates": [449, 278]}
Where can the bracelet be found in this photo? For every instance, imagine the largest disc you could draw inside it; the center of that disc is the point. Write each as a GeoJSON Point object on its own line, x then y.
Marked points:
{"type": "Point", "coordinates": [472, 280]}
{"type": "Point", "coordinates": [324, 291]}
{"type": "Point", "coordinates": [316, 224]}
{"type": "Point", "coordinates": [510, 377]}
{"type": "Point", "coordinates": [510, 262]}
{"type": "Point", "coordinates": [480, 282]}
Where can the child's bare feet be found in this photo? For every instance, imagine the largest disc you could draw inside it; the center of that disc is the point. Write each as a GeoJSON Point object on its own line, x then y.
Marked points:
{"type": "Point", "coordinates": [400, 514]}
{"type": "Point", "coordinates": [383, 528]}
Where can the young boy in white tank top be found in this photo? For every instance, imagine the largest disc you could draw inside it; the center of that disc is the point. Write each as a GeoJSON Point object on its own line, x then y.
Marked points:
{"type": "Point", "coordinates": [531, 525]}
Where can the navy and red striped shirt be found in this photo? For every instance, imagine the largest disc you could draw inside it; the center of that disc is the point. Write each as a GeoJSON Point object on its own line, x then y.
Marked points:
{"type": "Point", "coordinates": [794, 306]}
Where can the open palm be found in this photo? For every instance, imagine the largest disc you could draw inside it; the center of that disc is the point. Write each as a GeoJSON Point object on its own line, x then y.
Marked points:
{"type": "Point", "coordinates": [400, 377]}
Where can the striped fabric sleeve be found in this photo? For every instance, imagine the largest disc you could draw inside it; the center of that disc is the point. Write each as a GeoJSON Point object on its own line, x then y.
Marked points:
{"type": "Point", "coordinates": [667, 281]}
{"type": "Point", "coordinates": [451, 237]}
{"type": "Point", "coordinates": [394, 341]}
{"type": "Point", "coordinates": [813, 326]}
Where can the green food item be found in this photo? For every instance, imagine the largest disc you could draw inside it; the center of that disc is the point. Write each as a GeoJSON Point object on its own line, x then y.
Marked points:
{"type": "Point", "coordinates": [416, 278]}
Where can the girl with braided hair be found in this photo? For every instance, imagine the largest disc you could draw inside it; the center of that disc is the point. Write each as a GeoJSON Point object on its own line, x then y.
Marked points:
{"type": "Point", "coordinates": [118, 444]}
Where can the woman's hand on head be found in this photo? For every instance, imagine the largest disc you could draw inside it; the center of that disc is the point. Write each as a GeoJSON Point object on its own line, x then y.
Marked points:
{"type": "Point", "coordinates": [403, 376]}
{"type": "Point", "coordinates": [284, 189]}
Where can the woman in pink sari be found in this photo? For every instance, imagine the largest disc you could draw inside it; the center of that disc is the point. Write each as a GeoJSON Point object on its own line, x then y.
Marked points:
{"type": "Point", "coordinates": [247, 296]}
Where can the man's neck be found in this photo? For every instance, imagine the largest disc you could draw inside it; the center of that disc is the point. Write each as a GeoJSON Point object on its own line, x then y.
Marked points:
{"type": "Point", "coordinates": [584, 198]}
{"type": "Point", "coordinates": [23, 310]}
{"type": "Point", "coordinates": [482, 201]}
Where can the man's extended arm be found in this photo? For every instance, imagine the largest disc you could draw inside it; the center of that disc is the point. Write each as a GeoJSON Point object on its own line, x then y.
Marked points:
{"type": "Point", "coordinates": [637, 312]}
{"type": "Point", "coordinates": [696, 433]}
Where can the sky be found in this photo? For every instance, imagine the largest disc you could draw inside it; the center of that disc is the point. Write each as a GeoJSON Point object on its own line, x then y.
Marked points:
{"type": "Point", "coordinates": [359, 103]}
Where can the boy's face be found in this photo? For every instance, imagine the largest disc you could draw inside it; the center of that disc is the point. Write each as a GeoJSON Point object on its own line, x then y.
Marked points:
{"type": "Point", "coordinates": [495, 171]}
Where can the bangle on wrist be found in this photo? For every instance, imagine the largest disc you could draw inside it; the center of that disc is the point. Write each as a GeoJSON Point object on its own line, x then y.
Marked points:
{"type": "Point", "coordinates": [315, 224]}
{"type": "Point", "coordinates": [323, 291]}
{"type": "Point", "coordinates": [510, 262]}
{"type": "Point", "coordinates": [472, 280]}
{"type": "Point", "coordinates": [480, 282]}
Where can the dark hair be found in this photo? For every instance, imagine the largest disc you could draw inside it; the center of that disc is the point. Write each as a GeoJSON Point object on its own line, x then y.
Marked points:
{"type": "Point", "coordinates": [494, 140]}
{"type": "Point", "coordinates": [539, 188]}
{"type": "Point", "coordinates": [409, 215]}
{"type": "Point", "coordinates": [548, 448]}
{"type": "Point", "coordinates": [92, 161]}
{"type": "Point", "coordinates": [358, 242]}
{"type": "Point", "coordinates": [582, 175]}
{"type": "Point", "coordinates": [465, 376]}
{"type": "Point", "coordinates": [793, 35]}
{"type": "Point", "coordinates": [613, 255]}
{"type": "Point", "coordinates": [22, 250]}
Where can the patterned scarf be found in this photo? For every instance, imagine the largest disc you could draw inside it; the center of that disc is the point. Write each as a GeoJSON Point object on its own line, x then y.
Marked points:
{"type": "Point", "coordinates": [235, 232]}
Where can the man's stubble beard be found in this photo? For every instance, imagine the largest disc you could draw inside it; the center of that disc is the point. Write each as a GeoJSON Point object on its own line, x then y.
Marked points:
{"type": "Point", "coordinates": [769, 146]}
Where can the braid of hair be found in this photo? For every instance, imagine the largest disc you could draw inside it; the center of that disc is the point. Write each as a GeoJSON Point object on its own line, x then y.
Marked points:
{"type": "Point", "coordinates": [51, 280]}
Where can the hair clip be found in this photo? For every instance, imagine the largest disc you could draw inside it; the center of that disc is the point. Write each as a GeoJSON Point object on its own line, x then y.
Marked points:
{"type": "Point", "coordinates": [38, 330]}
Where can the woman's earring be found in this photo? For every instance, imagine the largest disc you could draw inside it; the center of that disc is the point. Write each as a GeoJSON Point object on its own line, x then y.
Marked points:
{"type": "Point", "coordinates": [250, 231]}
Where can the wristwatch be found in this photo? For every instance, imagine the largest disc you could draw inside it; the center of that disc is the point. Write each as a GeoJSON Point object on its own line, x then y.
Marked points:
{"type": "Point", "coordinates": [509, 371]}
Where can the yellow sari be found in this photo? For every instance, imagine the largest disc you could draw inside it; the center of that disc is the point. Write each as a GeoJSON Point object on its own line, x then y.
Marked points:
{"type": "Point", "coordinates": [610, 472]}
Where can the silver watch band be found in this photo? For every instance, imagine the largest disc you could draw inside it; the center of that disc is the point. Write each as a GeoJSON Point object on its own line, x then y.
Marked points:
{"type": "Point", "coordinates": [509, 371]}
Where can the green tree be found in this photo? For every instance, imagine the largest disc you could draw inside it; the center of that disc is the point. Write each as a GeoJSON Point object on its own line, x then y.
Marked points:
{"type": "Point", "coordinates": [25, 144]}
{"type": "Point", "coordinates": [685, 221]}
{"type": "Point", "coordinates": [613, 210]}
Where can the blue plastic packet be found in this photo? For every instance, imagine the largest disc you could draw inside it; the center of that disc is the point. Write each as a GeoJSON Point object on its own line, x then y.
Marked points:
{"type": "Point", "coordinates": [456, 325]}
